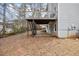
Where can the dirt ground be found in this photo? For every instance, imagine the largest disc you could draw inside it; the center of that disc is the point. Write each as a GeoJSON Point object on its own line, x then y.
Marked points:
{"type": "Point", "coordinates": [21, 45]}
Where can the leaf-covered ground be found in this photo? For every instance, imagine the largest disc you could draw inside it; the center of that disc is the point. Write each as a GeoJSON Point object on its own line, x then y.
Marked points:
{"type": "Point", "coordinates": [40, 45]}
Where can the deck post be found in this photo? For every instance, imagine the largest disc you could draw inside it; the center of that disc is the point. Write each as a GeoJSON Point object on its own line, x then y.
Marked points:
{"type": "Point", "coordinates": [33, 28]}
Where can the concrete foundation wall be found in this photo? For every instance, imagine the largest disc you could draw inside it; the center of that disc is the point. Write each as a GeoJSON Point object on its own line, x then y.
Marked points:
{"type": "Point", "coordinates": [68, 19]}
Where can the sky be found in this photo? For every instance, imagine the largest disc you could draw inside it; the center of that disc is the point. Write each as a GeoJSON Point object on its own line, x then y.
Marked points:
{"type": "Point", "coordinates": [11, 13]}
{"type": "Point", "coordinates": [24, 1]}
{"type": "Point", "coordinates": [39, 1]}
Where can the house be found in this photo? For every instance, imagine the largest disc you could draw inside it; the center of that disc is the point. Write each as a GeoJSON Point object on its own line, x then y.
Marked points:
{"type": "Point", "coordinates": [8, 27]}
{"type": "Point", "coordinates": [66, 19]}
{"type": "Point", "coordinates": [60, 19]}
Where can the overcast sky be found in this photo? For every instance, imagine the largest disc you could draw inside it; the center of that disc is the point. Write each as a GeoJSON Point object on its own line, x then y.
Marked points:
{"type": "Point", "coordinates": [11, 13]}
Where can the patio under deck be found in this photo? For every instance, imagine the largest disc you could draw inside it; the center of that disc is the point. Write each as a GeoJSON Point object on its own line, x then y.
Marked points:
{"type": "Point", "coordinates": [38, 21]}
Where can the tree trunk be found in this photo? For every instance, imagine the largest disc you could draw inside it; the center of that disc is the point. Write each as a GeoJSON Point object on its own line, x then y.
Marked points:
{"type": "Point", "coordinates": [4, 18]}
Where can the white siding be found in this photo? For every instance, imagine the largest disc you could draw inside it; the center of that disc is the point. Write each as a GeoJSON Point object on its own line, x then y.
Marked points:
{"type": "Point", "coordinates": [53, 9]}
{"type": "Point", "coordinates": [68, 15]}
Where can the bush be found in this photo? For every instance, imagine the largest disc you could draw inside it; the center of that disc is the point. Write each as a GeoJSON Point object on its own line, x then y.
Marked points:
{"type": "Point", "coordinates": [19, 30]}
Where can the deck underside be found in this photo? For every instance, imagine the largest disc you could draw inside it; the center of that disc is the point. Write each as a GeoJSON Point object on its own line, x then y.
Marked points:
{"type": "Point", "coordinates": [42, 21]}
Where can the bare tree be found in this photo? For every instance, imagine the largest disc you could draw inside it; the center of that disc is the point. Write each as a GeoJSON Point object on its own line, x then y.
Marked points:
{"type": "Point", "coordinates": [4, 18]}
